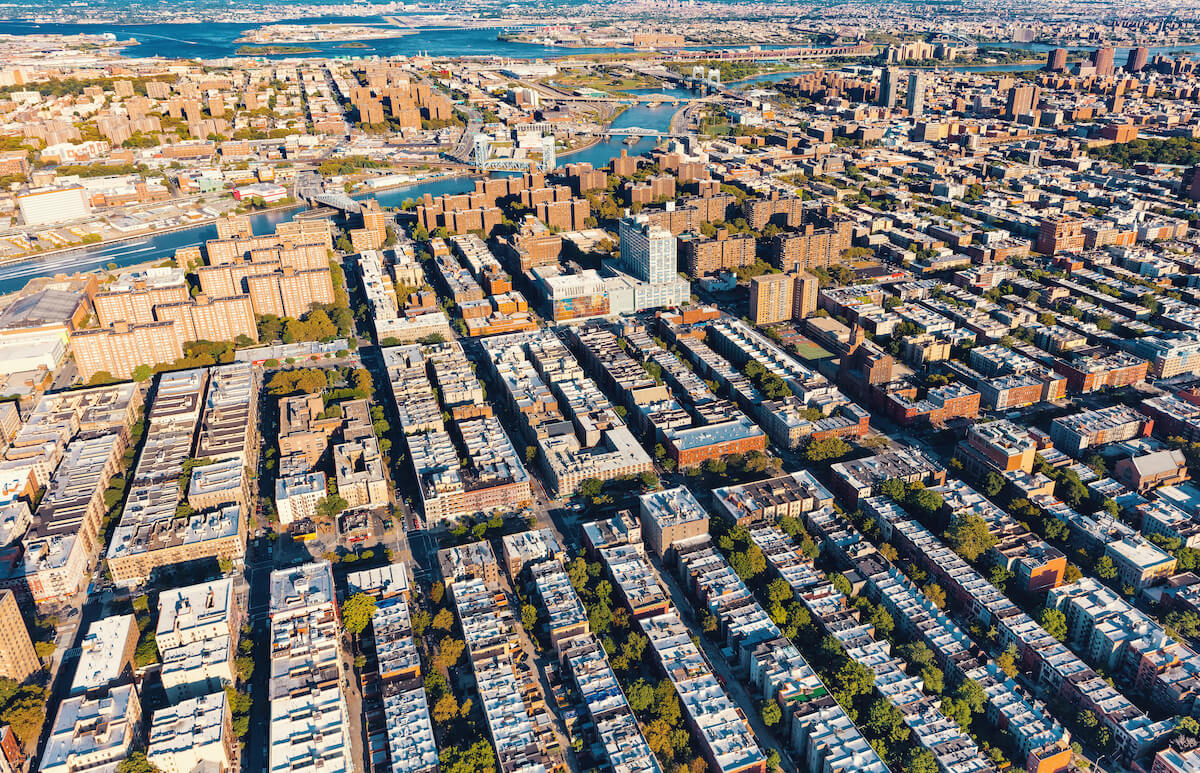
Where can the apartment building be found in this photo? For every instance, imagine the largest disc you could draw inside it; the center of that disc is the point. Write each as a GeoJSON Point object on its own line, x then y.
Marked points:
{"type": "Point", "coordinates": [18, 661]}
{"type": "Point", "coordinates": [106, 654]}
{"type": "Point", "coordinates": [670, 516]}
{"type": "Point", "coordinates": [861, 478]}
{"type": "Point", "coordinates": [768, 500]}
{"type": "Point", "coordinates": [194, 734]}
{"type": "Point", "coordinates": [151, 532]}
{"type": "Point", "coordinates": [197, 635]}
{"type": "Point", "coordinates": [63, 539]}
{"type": "Point", "coordinates": [809, 248]}
{"type": "Point", "coordinates": [133, 297]}
{"type": "Point", "coordinates": [297, 496]}
{"type": "Point", "coordinates": [1077, 432]}
{"type": "Point", "coordinates": [599, 444]}
{"type": "Point", "coordinates": [119, 349]}
{"type": "Point", "coordinates": [210, 319]}
{"type": "Point", "coordinates": [701, 257]}
{"type": "Point", "coordinates": [290, 292]}
{"type": "Point", "coordinates": [92, 732]}
{"type": "Point", "coordinates": [308, 721]}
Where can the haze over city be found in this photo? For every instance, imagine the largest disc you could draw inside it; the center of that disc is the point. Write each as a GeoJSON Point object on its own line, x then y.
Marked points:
{"type": "Point", "coordinates": [662, 386]}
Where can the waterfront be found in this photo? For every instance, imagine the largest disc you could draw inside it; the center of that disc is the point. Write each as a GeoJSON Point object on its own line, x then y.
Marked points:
{"type": "Point", "coordinates": [217, 40]}
{"type": "Point", "coordinates": [161, 246]}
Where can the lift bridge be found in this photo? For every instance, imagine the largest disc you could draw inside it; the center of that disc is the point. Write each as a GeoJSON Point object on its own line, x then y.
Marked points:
{"type": "Point", "coordinates": [484, 163]}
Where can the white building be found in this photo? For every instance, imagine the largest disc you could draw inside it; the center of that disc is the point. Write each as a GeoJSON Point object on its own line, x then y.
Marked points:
{"type": "Point", "coordinates": [93, 733]}
{"type": "Point", "coordinates": [296, 496]}
{"type": "Point", "coordinates": [647, 251]}
{"type": "Point", "coordinates": [193, 735]}
{"type": "Point", "coordinates": [309, 725]}
{"type": "Point", "coordinates": [47, 206]}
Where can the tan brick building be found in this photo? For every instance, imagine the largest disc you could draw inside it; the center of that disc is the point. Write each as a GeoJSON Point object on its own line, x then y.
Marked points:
{"type": "Point", "coordinates": [707, 256]}
{"type": "Point", "coordinates": [289, 293]}
{"type": "Point", "coordinates": [136, 306]}
{"type": "Point", "coordinates": [770, 298]}
{"type": "Point", "coordinates": [121, 348]}
{"type": "Point", "coordinates": [18, 661]}
{"type": "Point", "coordinates": [210, 319]}
{"type": "Point", "coordinates": [810, 247]}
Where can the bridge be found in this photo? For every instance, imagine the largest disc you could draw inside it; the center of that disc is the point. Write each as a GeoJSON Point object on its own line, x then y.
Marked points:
{"type": "Point", "coordinates": [338, 201]}
{"type": "Point", "coordinates": [508, 165]}
{"type": "Point", "coordinates": [637, 131]}
{"type": "Point", "coordinates": [805, 52]}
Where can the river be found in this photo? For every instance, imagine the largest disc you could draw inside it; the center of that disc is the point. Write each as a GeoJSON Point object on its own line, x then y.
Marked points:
{"type": "Point", "coordinates": [216, 40]}
{"type": "Point", "coordinates": [162, 246]}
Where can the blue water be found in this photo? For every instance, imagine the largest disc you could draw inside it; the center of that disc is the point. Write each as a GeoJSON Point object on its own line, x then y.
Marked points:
{"type": "Point", "coordinates": [162, 246]}
{"type": "Point", "coordinates": [640, 116]}
{"type": "Point", "coordinates": [216, 40]}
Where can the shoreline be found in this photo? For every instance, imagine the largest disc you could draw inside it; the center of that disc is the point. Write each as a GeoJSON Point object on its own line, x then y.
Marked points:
{"type": "Point", "coordinates": [131, 237]}
{"type": "Point", "coordinates": [362, 193]}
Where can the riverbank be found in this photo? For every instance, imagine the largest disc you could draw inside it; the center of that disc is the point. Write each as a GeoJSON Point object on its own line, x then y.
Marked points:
{"type": "Point", "coordinates": [155, 246]}
{"type": "Point", "coordinates": [134, 237]}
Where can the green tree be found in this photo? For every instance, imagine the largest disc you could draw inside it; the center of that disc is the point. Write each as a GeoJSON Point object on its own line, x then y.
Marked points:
{"type": "Point", "coordinates": [449, 651]}
{"type": "Point", "coordinates": [331, 507]}
{"type": "Point", "coordinates": [969, 536]}
{"type": "Point", "coordinates": [1055, 623]}
{"type": "Point", "coordinates": [1105, 568]}
{"type": "Point", "coordinates": [640, 696]}
{"type": "Point", "coordinates": [884, 721]}
{"type": "Point", "coordinates": [852, 680]}
{"type": "Point", "coordinates": [992, 484]}
{"type": "Point", "coordinates": [778, 591]}
{"type": "Point", "coordinates": [894, 489]}
{"type": "Point", "coordinates": [919, 760]}
{"type": "Point", "coordinates": [771, 713]}
{"type": "Point", "coordinates": [445, 709]}
{"type": "Point", "coordinates": [826, 450]}
{"type": "Point", "coordinates": [476, 758]}
{"type": "Point", "coordinates": [972, 693]}
{"type": "Point", "coordinates": [934, 679]}
{"type": "Point", "coordinates": [136, 763]}
{"type": "Point", "coordinates": [1007, 661]}
{"type": "Point", "coordinates": [25, 714]}
{"type": "Point", "coordinates": [529, 616]}
{"type": "Point", "coordinates": [357, 612]}
{"type": "Point", "coordinates": [443, 620]}
{"type": "Point", "coordinates": [935, 594]}
{"type": "Point", "coordinates": [245, 667]}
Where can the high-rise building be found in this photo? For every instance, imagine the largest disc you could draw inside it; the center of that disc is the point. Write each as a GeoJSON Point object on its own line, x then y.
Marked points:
{"type": "Point", "coordinates": [647, 251]}
{"type": "Point", "coordinates": [1056, 60]}
{"type": "Point", "coordinates": [804, 295]}
{"type": "Point", "coordinates": [916, 93]}
{"type": "Point", "coordinates": [771, 298]}
{"type": "Point", "coordinates": [1102, 60]}
{"type": "Point", "coordinates": [18, 661]}
{"type": "Point", "coordinates": [889, 85]}
{"type": "Point", "coordinates": [121, 348]}
{"type": "Point", "coordinates": [290, 293]}
{"type": "Point", "coordinates": [1138, 57]}
{"type": "Point", "coordinates": [1059, 234]}
{"type": "Point", "coordinates": [1021, 100]}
